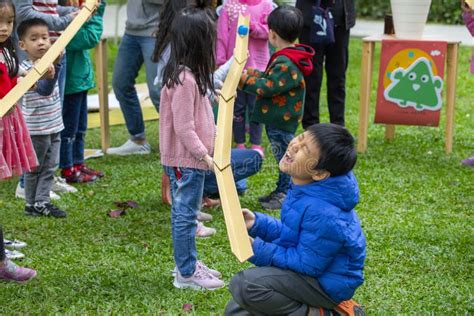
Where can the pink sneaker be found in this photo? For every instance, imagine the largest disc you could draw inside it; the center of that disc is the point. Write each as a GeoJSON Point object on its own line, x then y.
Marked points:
{"type": "Point", "coordinates": [240, 146]}
{"type": "Point", "coordinates": [215, 273]}
{"type": "Point", "coordinates": [204, 217]}
{"type": "Point", "coordinates": [201, 279]}
{"type": "Point", "coordinates": [468, 162]}
{"type": "Point", "coordinates": [259, 149]}
{"type": "Point", "coordinates": [9, 271]}
{"type": "Point", "coordinates": [203, 231]}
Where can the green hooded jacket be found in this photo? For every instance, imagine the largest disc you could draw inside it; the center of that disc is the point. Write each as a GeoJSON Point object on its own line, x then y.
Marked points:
{"type": "Point", "coordinates": [79, 69]}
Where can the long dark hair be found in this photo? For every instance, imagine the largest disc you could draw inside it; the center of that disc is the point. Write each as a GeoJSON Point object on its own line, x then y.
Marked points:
{"type": "Point", "coordinates": [11, 59]}
{"type": "Point", "coordinates": [192, 40]}
{"type": "Point", "coordinates": [170, 10]}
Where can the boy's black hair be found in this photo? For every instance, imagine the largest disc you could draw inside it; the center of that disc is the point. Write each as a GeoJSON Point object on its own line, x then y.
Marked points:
{"type": "Point", "coordinates": [170, 10]}
{"type": "Point", "coordinates": [337, 153]}
{"type": "Point", "coordinates": [192, 40]}
{"type": "Point", "coordinates": [11, 59]}
{"type": "Point", "coordinates": [287, 22]}
{"type": "Point", "coordinates": [28, 24]}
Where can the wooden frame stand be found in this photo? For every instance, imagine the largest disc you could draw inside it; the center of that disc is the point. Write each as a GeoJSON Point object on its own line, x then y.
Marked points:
{"type": "Point", "coordinates": [367, 67]}
{"type": "Point", "coordinates": [236, 229]}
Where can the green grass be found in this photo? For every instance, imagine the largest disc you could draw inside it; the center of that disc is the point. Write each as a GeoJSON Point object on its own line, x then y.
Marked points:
{"type": "Point", "coordinates": [416, 209]}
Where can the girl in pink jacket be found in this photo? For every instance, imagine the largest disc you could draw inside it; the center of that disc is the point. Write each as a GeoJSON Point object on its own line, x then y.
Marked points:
{"type": "Point", "coordinates": [258, 59]}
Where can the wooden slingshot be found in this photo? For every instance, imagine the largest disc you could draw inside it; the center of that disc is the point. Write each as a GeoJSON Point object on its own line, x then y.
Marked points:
{"type": "Point", "coordinates": [41, 67]}
{"type": "Point", "coordinates": [236, 230]}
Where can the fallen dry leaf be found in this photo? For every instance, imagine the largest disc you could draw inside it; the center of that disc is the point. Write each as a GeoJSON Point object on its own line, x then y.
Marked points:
{"type": "Point", "coordinates": [116, 213]}
{"type": "Point", "coordinates": [187, 307]}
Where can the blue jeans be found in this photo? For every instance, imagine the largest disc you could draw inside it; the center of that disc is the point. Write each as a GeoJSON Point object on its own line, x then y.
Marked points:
{"type": "Point", "coordinates": [75, 127]}
{"type": "Point", "coordinates": [245, 103]}
{"type": "Point", "coordinates": [132, 53]}
{"type": "Point", "coordinates": [279, 140]}
{"type": "Point", "coordinates": [187, 186]}
{"type": "Point", "coordinates": [244, 162]}
{"type": "Point", "coordinates": [62, 77]}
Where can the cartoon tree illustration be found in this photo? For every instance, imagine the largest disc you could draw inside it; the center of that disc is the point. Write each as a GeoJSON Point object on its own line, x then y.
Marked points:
{"type": "Point", "coordinates": [416, 86]}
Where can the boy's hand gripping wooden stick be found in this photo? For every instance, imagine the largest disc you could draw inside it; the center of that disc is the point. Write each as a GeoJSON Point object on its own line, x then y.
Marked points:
{"type": "Point", "coordinates": [41, 67]}
{"type": "Point", "coordinates": [236, 230]}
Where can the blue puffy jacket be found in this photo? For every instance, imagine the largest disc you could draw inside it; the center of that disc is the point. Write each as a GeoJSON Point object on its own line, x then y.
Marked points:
{"type": "Point", "coordinates": [319, 235]}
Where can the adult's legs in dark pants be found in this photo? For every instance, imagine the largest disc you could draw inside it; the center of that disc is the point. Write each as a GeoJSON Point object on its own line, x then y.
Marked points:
{"type": "Point", "coordinates": [273, 291]}
{"type": "Point", "coordinates": [336, 61]}
{"type": "Point", "coordinates": [313, 82]}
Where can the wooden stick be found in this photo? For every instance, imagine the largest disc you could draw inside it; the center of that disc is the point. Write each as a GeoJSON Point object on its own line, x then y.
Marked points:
{"type": "Point", "coordinates": [103, 91]}
{"type": "Point", "coordinates": [236, 229]}
{"type": "Point", "coordinates": [389, 132]}
{"type": "Point", "coordinates": [452, 64]}
{"type": "Point", "coordinates": [41, 67]}
{"type": "Point", "coordinates": [365, 91]}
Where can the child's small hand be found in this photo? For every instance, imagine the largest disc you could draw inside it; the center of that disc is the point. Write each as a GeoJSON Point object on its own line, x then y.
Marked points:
{"type": "Point", "coordinates": [243, 79]}
{"type": "Point", "coordinates": [58, 60]}
{"type": "Point", "coordinates": [209, 161]}
{"type": "Point", "coordinates": [49, 73]}
{"type": "Point", "coordinates": [217, 94]}
{"type": "Point", "coordinates": [249, 218]}
{"type": "Point", "coordinates": [73, 14]}
{"type": "Point", "coordinates": [466, 8]}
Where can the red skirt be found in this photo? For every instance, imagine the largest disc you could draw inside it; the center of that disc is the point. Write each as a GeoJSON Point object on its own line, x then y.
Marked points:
{"type": "Point", "coordinates": [17, 154]}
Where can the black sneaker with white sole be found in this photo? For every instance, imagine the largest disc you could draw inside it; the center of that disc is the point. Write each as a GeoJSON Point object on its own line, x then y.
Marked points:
{"type": "Point", "coordinates": [275, 202]}
{"type": "Point", "coordinates": [44, 209]}
{"type": "Point", "coordinates": [268, 197]}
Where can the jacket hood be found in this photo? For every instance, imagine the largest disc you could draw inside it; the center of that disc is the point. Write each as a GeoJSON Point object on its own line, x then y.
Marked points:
{"type": "Point", "coordinates": [341, 191]}
{"type": "Point", "coordinates": [301, 55]}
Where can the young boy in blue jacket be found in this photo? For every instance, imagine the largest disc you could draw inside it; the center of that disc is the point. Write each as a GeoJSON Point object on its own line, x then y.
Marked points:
{"type": "Point", "coordinates": [311, 261]}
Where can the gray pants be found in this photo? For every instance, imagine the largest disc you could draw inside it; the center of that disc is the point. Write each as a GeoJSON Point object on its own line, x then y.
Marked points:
{"type": "Point", "coordinates": [273, 291]}
{"type": "Point", "coordinates": [39, 182]}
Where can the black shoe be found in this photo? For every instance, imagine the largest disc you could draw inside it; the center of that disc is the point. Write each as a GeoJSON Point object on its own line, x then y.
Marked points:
{"type": "Point", "coordinates": [267, 198]}
{"type": "Point", "coordinates": [45, 209]}
{"type": "Point", "coordinates": [275, 202]}
{"type": "Point", "coordinates": [30, 210]}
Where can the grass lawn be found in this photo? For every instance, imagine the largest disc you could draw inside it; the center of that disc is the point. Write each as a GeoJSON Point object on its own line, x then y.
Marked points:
{"type": "Point", "coordinates": [416, 209]}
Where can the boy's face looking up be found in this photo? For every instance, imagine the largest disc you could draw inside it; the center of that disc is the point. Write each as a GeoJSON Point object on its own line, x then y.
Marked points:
{"type": "Point", "coordinates": [300, 158]}
{"type": "Point", "coordinates": [36, 42]}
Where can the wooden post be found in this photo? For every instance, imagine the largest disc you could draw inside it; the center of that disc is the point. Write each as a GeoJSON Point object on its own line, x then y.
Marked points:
{"type": "Point", "coordinates": [452, 62]}
{"type": "Point", "coordinates": [103, 91]}
{"type": "Point", "coordinates": [389, 132]}
{"type": "Point", "coordinates": [365, 91]}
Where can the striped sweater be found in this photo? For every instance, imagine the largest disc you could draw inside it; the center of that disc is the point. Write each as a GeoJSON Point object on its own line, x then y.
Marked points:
{"type": "Point", "coordinates": [48, 7]}
{"type": "Point", "coordinates": [42, 110]}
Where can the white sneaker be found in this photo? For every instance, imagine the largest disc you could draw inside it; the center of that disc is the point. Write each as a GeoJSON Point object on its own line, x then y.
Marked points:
{"type": "Point", "coordinates": [13, 254]}
{"type": "Point", "coordinates": [203, 231]}
{"type": "Point", "coordinates": [20, 193]}
{"type": "Point", "coordinates": [14, 244]}
{"type": "Point", "coordinates": [60, 186]}
{"type": "Point", "coordinates": [201, 279]}
{"type": "Point", "coordinates": [130, 148]}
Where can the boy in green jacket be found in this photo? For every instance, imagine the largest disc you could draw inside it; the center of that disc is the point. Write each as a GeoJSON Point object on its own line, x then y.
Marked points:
{"type": "Point", "coordinates": [280, 90]}
{"type": "Point", "coordinates": [79, 79]}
